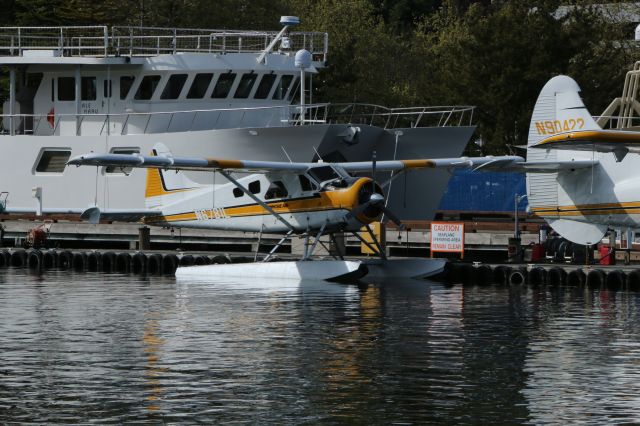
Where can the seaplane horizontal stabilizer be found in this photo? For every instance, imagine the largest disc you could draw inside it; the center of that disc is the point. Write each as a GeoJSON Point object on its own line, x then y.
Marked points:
{"type": "Point", "coordinates": [538, 166]}
{"type": "Point", "coordinates": [586, 233]}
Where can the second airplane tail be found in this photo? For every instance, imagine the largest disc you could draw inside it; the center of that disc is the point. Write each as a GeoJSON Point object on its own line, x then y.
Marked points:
{"type": "Point", "coordinates": [166, 186]}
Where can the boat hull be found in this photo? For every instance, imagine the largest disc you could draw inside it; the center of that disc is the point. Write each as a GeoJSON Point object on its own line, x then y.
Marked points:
{"type": "Point", "coordinates": [79, 187]}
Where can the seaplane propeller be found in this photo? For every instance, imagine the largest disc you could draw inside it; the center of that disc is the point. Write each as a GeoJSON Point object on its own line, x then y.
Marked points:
{"type": "Point", "coordinates": [372, 202]}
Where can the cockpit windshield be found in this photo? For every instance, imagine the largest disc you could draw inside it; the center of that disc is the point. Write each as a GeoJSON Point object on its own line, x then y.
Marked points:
{"type": "Point", "coordinates": [323, 173]}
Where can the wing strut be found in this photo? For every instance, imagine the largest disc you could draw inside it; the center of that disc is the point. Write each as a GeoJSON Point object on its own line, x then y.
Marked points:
{"type": "Point", "coordinates": [257, 200]}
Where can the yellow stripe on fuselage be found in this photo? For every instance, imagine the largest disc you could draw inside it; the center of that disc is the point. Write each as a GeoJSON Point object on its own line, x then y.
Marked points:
{"type": "Point", "coordinates": [594, 136]}
{"type": "Point", "coordinates": [343, 199]}
{"type": "Point", "coordinates": [632, 207]}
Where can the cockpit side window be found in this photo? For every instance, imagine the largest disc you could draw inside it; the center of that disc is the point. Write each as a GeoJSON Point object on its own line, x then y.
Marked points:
{"type": "Point", "coordinates": [254, 187]}
{"type": "Point", "coordinates": [323, 173]}
{"type": "Point", "coordinates": [305, 183]}
{"type": "Point", "coordinates": [276, 190]}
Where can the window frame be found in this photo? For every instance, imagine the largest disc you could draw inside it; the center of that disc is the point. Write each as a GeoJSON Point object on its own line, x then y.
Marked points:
{"type": "Point", "coordinates": [252, 187]}
{"type": "Point", "coordinates": [43, 153]}
{"type": "Point", "coordinates": [247, 89]}
{"type": "Point", "coordinates": [276, 185]}
{"type": "Point", "coordinates": [175, 77]}
{"type": "Point", "coordinates": [83, 88]}
{"type": "Point", "coordinates": [273, 78]}
{"type": "Point", "coordinates": [66, 80]}
{"type": "Point", "coordinates": [283, 97]}
{"type": "Point", "coordinates": [223, 77]}
{"type": "Point", "coordinates": [120, 86]}
{"type": "Point", "coordinates": [121, 171]}
{"type": "Point", "coordinates": [193, 84]}
{"type": "Point", "coordinates": [149, 77]}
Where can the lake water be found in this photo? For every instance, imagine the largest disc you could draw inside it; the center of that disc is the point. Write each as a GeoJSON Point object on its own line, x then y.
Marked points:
{"type": "Point", "coordinates": [121, 348]}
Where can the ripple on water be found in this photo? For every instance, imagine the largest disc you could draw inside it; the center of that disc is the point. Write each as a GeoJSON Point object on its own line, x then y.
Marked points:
{"type": "Point", "coordinates": [120, 348]}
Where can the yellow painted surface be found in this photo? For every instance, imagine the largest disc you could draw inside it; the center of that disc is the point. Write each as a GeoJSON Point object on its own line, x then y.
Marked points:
{"type": "Point", "coordinates": [379, 231]}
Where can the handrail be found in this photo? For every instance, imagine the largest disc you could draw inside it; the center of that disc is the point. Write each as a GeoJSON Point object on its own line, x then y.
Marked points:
{"type": "Point", "coordinates": [97, 41]}
{"type": "Point", "coordinates": [321, 113]}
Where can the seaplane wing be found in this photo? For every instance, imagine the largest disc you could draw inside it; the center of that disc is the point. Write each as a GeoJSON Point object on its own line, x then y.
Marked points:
{"type": "Point", "coordinates": [211, 164]}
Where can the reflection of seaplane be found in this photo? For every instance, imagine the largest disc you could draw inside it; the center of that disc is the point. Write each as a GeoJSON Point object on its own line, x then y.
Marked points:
{"type": "Point", "coordinates": [309, 199]}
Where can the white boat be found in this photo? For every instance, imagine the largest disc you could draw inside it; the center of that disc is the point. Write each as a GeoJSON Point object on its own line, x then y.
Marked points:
{"type": "Point", "coordinates": [228, 94]}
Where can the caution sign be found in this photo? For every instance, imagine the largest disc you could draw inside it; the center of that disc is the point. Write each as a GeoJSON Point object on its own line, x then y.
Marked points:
{"type": "Point", "coordinates": [447, 237]}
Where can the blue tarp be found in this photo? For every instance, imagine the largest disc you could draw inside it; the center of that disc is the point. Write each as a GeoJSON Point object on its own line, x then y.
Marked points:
{"type": "Point", "coordinates": [483, 192]}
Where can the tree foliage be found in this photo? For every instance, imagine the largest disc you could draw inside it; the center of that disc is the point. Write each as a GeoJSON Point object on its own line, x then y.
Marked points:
{"type": "Point", "coordinates": [493, 54]}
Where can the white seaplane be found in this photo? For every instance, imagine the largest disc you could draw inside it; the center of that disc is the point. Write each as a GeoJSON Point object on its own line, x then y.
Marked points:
{"type": "Point", "coordinates": [582, 179]}
{"type": "Point", "coordinates": [307, 199]}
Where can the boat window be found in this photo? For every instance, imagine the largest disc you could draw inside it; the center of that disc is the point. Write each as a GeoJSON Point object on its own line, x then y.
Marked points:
{"type": "Point", "coordinates": [245, 86]}
{"type": "Point", "coordinates": [223, 86]}
{"type": "Point", "coordinates": [66, 89]}
{"type": "Point", "coordinates": [126, 81]}
{"type": "Point", "coordinates": [305, 183]}
{"type": "Point", "coordinates": [118, 169]}
{"type": "Point", "coordinates": [282, 87]}
{"type": "Point", "coordinates": [254, 187]}
{"type": "Point", "coordinates": [276, 190]}
{"type": "Point", "coordinates": [107, 86]}
{"type": "Point", "coordinates": [174, 86]}
{"type": "Point", "coordinates": [265, 86]}
{"type": "Point", "coordinates": [294, 88]}
{"type": "Point", "coordinates": [88, 89]}
{"type": "Point", "coordinates": [237, 192]}
{"type": "Point", "coordinates": [199, 86]}
{"type": "Point", "coordinates": [53, 161]}
{"type": "Point", "coordinates": [147, 87]}
{"type": "Point", "coordinates": [323, 173]}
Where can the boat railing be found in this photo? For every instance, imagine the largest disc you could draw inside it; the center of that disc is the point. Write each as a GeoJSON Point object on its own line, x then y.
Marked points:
{"type": "Point", "coordinates": [61, 41]}
{"type": "Point", "coordinates": [98, 41]}
{"type": "Point", "coordinates": [617, 122]}
{"type": "Point", "coordinates": [137, 41]}
{"type": "Point", "coordinates": [391, 118]}
{"type": "Point", "coordinates": [132, 123]}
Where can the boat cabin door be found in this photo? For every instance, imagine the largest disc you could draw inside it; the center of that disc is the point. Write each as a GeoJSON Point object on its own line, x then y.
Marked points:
{"type": "Point", "coordinates": [119, 103]}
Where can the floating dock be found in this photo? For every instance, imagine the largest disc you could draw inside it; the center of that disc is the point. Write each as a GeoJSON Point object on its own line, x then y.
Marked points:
{"type": "Point", "coordinates": [618, 277]}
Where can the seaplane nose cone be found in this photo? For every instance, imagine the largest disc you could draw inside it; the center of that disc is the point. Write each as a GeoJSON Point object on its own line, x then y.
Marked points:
{"type": "Point", "coordinates": [376, 198]}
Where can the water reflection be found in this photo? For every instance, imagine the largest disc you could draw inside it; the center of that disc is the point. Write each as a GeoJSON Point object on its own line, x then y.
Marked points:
{"type": "Point", "coordinates": [118, 348]}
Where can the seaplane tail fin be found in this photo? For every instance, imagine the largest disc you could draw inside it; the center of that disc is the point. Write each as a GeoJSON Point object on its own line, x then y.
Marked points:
{"type": "Point", "coordinates": [559, 109]}
{"type": "Point", "coordinates": [556, 195]}
{"type": "Point", "coordinates": [166, 186]}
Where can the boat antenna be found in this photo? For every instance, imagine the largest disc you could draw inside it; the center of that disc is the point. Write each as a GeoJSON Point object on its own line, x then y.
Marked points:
{"type": "Point", "coordinates": [287, 21]}
{"type": "Point", "coordinates": [285, 153]}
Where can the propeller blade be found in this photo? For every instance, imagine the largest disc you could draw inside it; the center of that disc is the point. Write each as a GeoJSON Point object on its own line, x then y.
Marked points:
{"type": "Point", "coordinates": [389, 214]}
